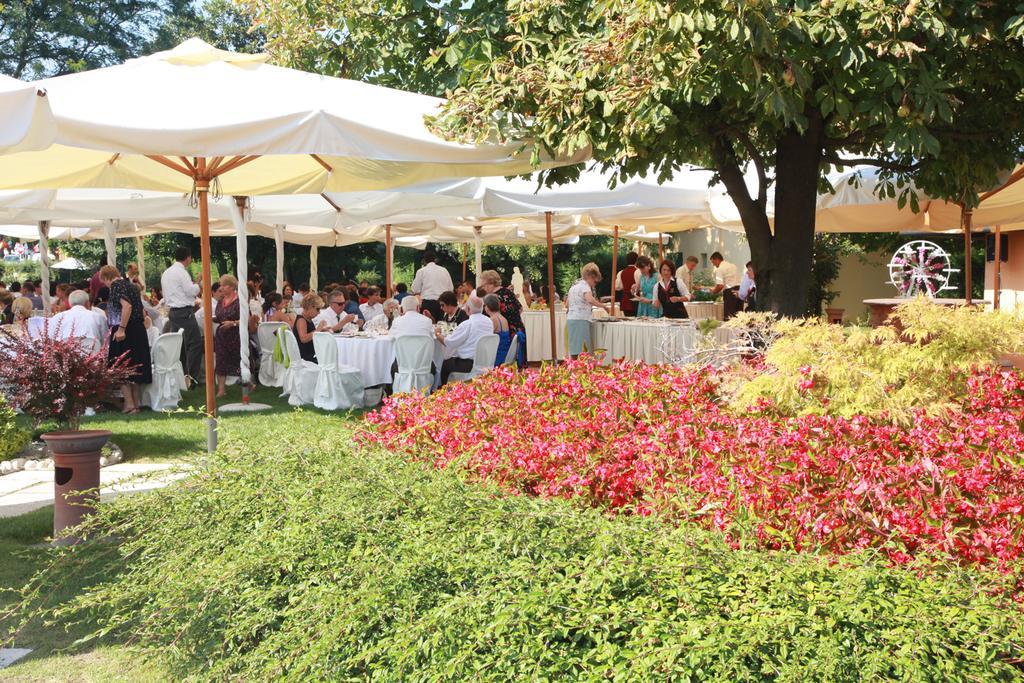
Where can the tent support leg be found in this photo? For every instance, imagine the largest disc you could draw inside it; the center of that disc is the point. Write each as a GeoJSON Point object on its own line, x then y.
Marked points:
{"type": "Point", "coordinates": [997, 278]}
{"type": "Point", "coordinates": [615, 264]}
{"type": "Point", "coordinates": [966, 216]}
{"type": "Point", "coordinates": [203, 189]}
{"type": "Point", "coordinates": [551, 288]}
{"type": "Point", "coordinates": [387, 261]}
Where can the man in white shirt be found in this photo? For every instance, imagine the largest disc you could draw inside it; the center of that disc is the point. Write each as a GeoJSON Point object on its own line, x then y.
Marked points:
{"type": "Point", "coordinates": [460, 345]}
{"type": "Point", "coordinates": [334, 315]}
{"type": "Point", "coordinates": [373, 306]}
{"type": "Point", "coordinates": [411, 323]}
{"type": "Point", "coordinates": [748, 286]}
{"type": "Point", "coordinates": [382, 322]}
{"type": "Point", "coordinates": [180, 294]}
{"type": "Point", "coordinates": [727, 281]}
{"type": "Point", "coordinates": [429, 282]}
{"type": "Point", "coordinates": [80, 320]}
{"type": "Point", "coordinates": [684, 273]}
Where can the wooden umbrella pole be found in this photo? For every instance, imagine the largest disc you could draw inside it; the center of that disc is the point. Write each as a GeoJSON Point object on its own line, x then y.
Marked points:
{"type": "Point", "coordinates": [387, 260]}
{"type": "Point", "coordinates": [551, 288]}
{"type": "Point", "coordinates": [966, 216]}
{"type": "Point", "coordinates": [465, 250]}
{"type": "Point", "coordinates": [203, 189]}
{"type": "Point", "coordinates": [997, 275]}
{"type": "Point", "coordinates": [661, 248]}
{"type": "Point", "coordinates": [615, 264]}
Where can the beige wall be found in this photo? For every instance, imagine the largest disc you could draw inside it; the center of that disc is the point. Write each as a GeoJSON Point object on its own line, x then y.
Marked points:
{"type": "Point", "coordinates": [861, 278]}
{"type": "Point", "coordinates": [1011, 275]}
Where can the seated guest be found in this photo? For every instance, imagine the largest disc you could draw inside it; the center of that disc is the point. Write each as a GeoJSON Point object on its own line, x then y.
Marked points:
{"type": "Point", "coordinates": [464, 291]}
{"type": "Point", "coordinates": [60, 302]}
{"type": "Point", "coordinates": [373, 306]}
{"type": "Point", "coordinates": [460, 345]}
{"type": "Point", "coordinates": [492, 307]}
{"type": "Point", "coordinates": [28, 291]}
{"type": "Point", "coordinates": [102, 297]}
{"type": "Point", "coordinates": [276, 310]}
{"type": "Point", "coordinates": [451, 312]}
{"type": "Point", "coordinates": [334, 318]}
{"type": "Point", "coordinates": [79, 320]}
{"type": "Point", "coordinates": [401, 291]}
{"type": "Point", "coordinates": [352, 305]}
{"type": "Point", "coordinates": [21, 311]}
{"type": "Point", "coordinates": [383, 322]}
{"type": "Point", "coordinates": [670, 293]}
{"type": "Point", "coordinates": [411, 323]}
{"type": "Point", "coordinates": [305, 326]}
{"type": "Point", "coordinates": [748, 287]}
{"type": "Point", "coordinates": [299, 295]}
{"type": "Point", "coordinates": [6, 310]}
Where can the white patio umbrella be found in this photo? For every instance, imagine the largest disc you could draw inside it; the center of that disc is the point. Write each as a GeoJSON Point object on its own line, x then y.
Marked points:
{"type": "Point", "coordinates": [199, 120]}
{"type": "Point", "coordinates": [70, 263]}
{"type": "Point", "coordinates": [26, 122]}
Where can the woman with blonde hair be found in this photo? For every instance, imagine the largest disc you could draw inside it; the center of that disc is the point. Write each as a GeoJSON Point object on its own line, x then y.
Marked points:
{"type": "Point", "coordinates": [511, 308]}
{"type": "Point", "coordinates": [580, 302]}
{"type": "Point", "coordinates": [304, 326]}
{"type": "Point", "coordinates": [227, 343]}
{"type": "Point", "coordinates": [128, 336]}
{"type": "Point", "coordinates": [21, 311]}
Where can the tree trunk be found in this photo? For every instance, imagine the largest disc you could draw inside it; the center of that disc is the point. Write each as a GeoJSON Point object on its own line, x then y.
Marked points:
{"type": "Point", "coordinates": [784, 272]}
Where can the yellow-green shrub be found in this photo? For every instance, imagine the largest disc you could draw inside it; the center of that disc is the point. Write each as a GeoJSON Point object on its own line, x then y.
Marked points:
{"type": "Point", "coordinates": [815, 367]}
{"type": "Point", "coordinates": [13, 436]}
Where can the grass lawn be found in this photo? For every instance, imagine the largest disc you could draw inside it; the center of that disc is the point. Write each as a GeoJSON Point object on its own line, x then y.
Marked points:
{"type": "Point", "coordinates": [162, 437]}
{"type": "Point", "coordinates": [147, 437]}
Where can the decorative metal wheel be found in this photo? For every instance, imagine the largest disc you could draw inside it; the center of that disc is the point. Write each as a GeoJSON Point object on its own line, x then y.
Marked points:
{"type": "Point", "coordinates": [920, 267]}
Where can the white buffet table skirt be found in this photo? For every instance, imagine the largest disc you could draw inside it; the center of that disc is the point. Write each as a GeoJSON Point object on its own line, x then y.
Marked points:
{"type": "Point", "coordinates": [374, 357]}
{"type": "Point", "coordinates": [538, 334]}
{"type": "Point", "coordinates": [648, 341]}
{"type": "Point", "coordinates": [699, 310]}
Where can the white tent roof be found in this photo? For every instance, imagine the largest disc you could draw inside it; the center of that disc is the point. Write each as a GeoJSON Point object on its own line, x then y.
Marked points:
{"type": "Point", "coordinates": [26, 121]}
{"type": "Point", "coordinates": [197, 101]}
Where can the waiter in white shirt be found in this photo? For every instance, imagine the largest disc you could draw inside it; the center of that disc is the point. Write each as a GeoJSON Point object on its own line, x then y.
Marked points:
{"type": "Point", "coordinates": [80, 320]}
{"type": "Point", "coordinates": [429, 282]}
{"type": "Point", "coordinates": [180, 294]}
{"type": "Point", "coordinates": [727, 281]}
{"type": "Point", "coordinates": [685, 272]}
{"type": "Point", "coordinates": [460, 345]}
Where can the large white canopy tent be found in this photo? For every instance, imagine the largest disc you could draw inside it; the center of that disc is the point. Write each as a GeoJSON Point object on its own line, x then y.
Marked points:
{"type": "Point", "coordinates": [199, 120]}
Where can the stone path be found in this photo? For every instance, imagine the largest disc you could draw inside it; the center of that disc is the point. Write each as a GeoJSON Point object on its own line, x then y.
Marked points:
{"type": "Point", "coordinates": [11, 655]}
{"type": "Point", "coordinates": [28, 490]}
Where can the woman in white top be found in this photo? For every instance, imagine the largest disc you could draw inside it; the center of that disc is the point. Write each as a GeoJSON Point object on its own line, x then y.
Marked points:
{"type": "Point", "coordinates": [580, 302]}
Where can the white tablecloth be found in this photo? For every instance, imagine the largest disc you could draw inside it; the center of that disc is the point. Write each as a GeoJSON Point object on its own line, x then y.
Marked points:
{"type": "Point", "coordinates": [374, 356]}
{"type": "Point", "coordinates": [647, 341]}
{"type": "Point", "coordinates": [538, 334]}
{"type": "Point", "coordinates": [699, 310]}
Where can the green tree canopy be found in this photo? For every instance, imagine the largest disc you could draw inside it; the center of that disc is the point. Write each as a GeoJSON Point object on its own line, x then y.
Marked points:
{"type": "Point", "coordinates": [926, 90]}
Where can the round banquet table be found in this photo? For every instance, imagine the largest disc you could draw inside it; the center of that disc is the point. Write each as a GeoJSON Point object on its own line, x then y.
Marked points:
{"type": "Point", "coordinates": [538, 334]}
{"type": "Point", "coordinates": [647, 340]}
{"type": "Point", "coordinates": [374, 356]}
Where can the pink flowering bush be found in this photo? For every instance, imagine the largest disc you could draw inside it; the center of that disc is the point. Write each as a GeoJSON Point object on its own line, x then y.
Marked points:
{"type": "Point", "coordinates": [655, 439]}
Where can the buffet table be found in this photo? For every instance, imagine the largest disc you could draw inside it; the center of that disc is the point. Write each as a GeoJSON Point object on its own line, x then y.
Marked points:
{"type": "Point", "coordinates": [538, 334]}
{"type": "Point", "coordinates": [648, 340]}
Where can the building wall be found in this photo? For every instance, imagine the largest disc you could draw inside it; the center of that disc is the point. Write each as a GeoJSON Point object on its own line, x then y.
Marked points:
{"type": "Point", "coordinates": [861, 278]}
{"type": "Point", "coordinates": [1011, 275]}
{"type": "Point", "coordinates": [705, 241]}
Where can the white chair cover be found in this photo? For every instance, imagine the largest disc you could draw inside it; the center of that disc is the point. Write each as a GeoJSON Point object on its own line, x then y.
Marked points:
{"type": "Point", "coordinates": [511, 358]}
{"type": "Point", "coordinates": [168, 377]}
{"type": "Point", "coordinates": [35, 326]}
{"type": "Point", "coordinates": [414, 354]}
{"type": "Point", "coordinates": [338, 387]}
{"type": "Point", "coordinates": [271, 373]}
{"type": "Point", "coordinates": [483, 359]}
{"type": "Point", "coordinates": [300, 376]}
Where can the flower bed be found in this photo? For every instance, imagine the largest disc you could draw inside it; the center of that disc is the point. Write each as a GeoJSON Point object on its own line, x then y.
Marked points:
{"type": "Point", "coordinates": [654, 439]}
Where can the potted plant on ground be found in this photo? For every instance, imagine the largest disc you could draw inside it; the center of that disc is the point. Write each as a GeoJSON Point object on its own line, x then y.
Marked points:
{"type": "Point", "coordinates": [52, 379]}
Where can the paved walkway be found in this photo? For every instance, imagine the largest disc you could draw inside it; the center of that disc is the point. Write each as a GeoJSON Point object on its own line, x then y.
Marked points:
{"type": "Point", "coordinates": [28, 490]}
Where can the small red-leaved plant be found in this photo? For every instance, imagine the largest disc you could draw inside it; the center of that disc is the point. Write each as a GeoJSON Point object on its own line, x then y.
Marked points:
{"type": "Point", "coordinates": [57, 379]}
{"type": "Point", "coordinates": [644, 439]}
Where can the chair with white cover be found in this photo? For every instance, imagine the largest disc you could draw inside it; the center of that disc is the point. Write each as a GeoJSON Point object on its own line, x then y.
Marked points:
{"type": "Point", "coordinates": [168, 377]}
{"type": "Point", "coordinates": [271, 373]}
{"type": "Point", "coordinates": [483, 359]}
{"type": "Point", "coordinates": [414, 354]}
{"type": "Point", "coordinates": [338, 387]}
{"type": "Point", "coordinates": [299, 381]}
{"type": "Point", "coordinates": [512, 357]}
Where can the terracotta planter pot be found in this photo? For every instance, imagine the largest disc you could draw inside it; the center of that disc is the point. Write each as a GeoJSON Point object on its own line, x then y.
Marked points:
{"type": "Point", "coordinates": [835, 315]}
{"type": "Point", "coordinates": [76, 477]}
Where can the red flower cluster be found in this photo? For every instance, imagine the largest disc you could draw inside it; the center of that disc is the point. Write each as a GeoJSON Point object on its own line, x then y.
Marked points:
{"type": "Point", "coordinates": [645, 439]}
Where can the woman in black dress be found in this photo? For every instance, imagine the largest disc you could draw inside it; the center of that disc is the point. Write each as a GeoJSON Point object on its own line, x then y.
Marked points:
{"type": "Point", "coordinates": [671, 294]}
{"type": "Point", "coordinates": [227, 344]}
{"type": "Point", "coordinates": [305, 327]}
{"type": "Point", "coordinates": [127, 333]}
{"type": "Point", "coordinates": [511, 308]}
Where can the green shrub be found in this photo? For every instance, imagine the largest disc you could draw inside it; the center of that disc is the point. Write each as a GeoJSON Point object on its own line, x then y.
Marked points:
{"type": "Point", "coordinates": [311, 560]}
{"type": "Point", "coordinates": [863, 371]}
{"type": "Point", "coordinates": [14, 435]}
